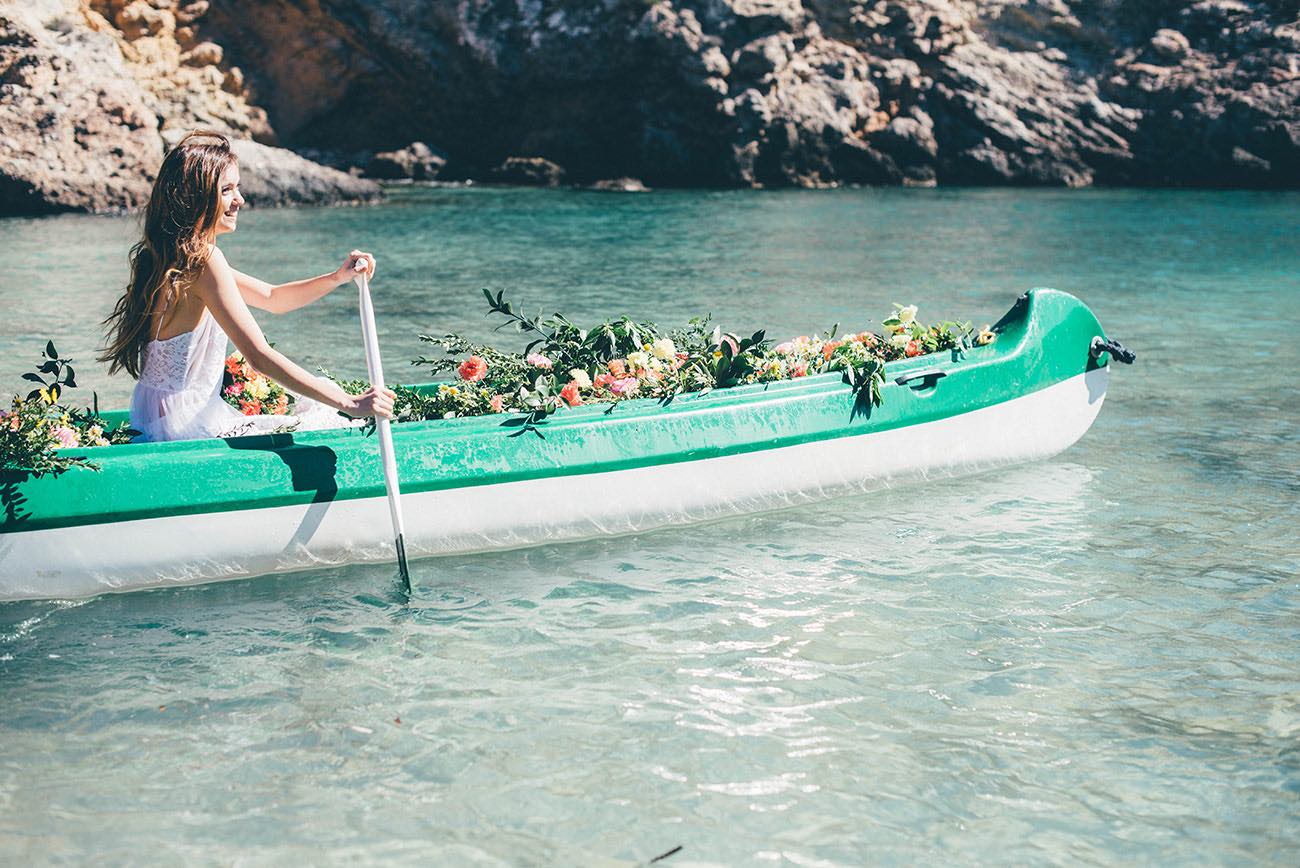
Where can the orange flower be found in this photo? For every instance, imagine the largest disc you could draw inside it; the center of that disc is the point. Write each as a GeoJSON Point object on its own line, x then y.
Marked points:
{"type": "Point", "coordinates": [570, 394]}
{"type": "Point", "coordinates": [232, 366]}
{"type": "Point", "coordinates": [601, 381]}
{"type": "Point", "coordinates": [250, 408]}
{"type": "Point", "coordinates": [831, 347]}
{"type": "Point", "coordinates": [282, 405]}
{"type": "Point", "coordinates": [472, 369]}
{"type": "Point", "coordinates": [497, 403]}
{"type": "Point", "coordinates": [618, 369]}
{"type": "Point", "coordinates": [913, 349]}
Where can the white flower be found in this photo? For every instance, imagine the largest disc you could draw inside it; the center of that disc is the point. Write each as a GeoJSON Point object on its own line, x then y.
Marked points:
{"type": "Point", "coordinates": [664, 348]}
{"type": "Point", "coordinates": [901, 339]}
{"type": "Point", "coordinates": [906, 315]}
{"type": "Point", "coordinates": [579, 376]}
{"type": "Point", "coordinates": [638, 360]}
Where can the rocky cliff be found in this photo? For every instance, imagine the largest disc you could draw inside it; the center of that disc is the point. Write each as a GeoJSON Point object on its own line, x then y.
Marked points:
{"type": "Point", "coordinates": [91, 92]}
{"type": "Point", "coordinates": [680, 92]}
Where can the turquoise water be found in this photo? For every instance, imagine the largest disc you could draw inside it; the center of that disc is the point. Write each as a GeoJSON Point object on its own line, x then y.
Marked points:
{"type": "Point", "coordinates": [1093, 659]}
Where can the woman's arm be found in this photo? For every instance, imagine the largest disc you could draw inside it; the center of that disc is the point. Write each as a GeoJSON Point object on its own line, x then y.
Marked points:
{"type": "Point", "coordinates": [293, 295]}
{"type": "Point", "coordinates": [217, 288]}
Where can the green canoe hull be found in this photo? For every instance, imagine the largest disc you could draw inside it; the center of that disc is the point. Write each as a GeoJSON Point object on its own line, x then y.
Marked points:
{"type": "Point", "coordinates": [157, 514]}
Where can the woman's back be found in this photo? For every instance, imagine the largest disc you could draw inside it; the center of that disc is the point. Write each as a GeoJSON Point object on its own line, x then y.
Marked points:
{"type": "Point", "coordinates": [178, 395]}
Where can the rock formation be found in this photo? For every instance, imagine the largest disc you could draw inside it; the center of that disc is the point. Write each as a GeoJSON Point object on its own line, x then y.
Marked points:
{"type": "Point", "coordinates": [416, 162]}
{"type": "Point", "coordinates": [90, 94]}
{"type": "Point", "coordinates": [802, 92]}
{"type": "Point", "coordinates": [675, 92]}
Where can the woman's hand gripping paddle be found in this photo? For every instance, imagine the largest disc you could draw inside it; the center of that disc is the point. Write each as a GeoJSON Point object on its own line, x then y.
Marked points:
{"type": "Point", "coordinates": [376, 370]}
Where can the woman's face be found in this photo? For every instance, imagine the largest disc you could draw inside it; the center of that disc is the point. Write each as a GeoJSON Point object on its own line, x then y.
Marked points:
{"type": "Point", "coordinates": [231, 200]}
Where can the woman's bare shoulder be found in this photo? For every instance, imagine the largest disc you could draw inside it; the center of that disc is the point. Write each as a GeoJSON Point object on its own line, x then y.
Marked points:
{"type": "Point", "coordinates": [214, 269]}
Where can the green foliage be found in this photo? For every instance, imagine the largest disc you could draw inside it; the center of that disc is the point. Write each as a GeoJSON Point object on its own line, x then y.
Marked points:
{"type": "Point", "coordinates": [565, 365]}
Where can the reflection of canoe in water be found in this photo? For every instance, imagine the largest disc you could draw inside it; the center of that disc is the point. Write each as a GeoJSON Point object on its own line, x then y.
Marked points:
{"type": "Point", "coordinates": [206, 510]}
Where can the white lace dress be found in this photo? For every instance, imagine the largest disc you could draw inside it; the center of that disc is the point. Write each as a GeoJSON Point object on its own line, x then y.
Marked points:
{"type": "Point", "coordinates": [178, 395]}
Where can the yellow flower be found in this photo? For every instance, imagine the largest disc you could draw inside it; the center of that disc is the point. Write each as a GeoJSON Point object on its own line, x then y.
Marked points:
{"type": "Point", "coordinates": [907, 314]}
{"type": "Point", "coordinates": [47, 395]}
{"type": "Point", "coordinates": [259, 388]}
{"type": "Point", "coordinates": [986, 336]}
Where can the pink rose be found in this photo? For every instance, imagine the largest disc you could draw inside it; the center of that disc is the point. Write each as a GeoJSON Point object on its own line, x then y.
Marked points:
{"type": "Point", "coordinates": [537, 360]}
{"type": "Point", "coordinates": [235, 389]}
{"type": "Point", "coordinates": [625, 386]}
{"type": "Point", "coordinates": [786, 348]}
{"type": "Point", "coordinates": [497, 403]}
{"type": "Point", "coordinates": [66, 436]}
{"type": "Point", "coordinates": [800, 369]}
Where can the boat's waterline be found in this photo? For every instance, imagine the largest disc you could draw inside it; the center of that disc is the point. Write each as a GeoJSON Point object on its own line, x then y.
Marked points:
{"type": "Point", "coordinates": [93, 559]}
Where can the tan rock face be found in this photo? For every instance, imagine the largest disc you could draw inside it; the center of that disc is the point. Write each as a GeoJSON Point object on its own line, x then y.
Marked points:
{"type": "Point", "coordinates": [76, 132]}
{"type": "Point", "coordinates": [181, 74]}
{"type": "Point", "coordinates": [90, 92]}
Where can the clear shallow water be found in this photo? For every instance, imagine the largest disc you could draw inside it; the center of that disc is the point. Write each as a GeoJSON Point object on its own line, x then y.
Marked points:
{"type": "Point", "coordinates": [1091, 659]}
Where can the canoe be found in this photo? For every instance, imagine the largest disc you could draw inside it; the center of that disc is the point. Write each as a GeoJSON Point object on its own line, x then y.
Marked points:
{"type": "Point", "coordinates": [162, 514]}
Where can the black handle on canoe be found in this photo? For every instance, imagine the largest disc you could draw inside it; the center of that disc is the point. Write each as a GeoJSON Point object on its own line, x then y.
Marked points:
{"type": "Point", "coordinates": [927, 374]}
{"type": "Point", "coordinates": [1117, 351]}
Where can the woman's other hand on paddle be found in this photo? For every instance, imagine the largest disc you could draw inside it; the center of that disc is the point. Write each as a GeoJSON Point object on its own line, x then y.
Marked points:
{"type": "Point", "coordinates": [372, 402]}
{"type": "Point", "coordinates": [349, 269]}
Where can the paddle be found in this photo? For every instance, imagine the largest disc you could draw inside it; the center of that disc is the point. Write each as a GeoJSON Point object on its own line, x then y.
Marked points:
{"type": "Point", "coordinates": [375, 367]}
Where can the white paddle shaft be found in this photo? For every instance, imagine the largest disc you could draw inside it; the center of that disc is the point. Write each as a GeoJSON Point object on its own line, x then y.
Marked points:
{"type": "Point", "coordinates": [376, 370]}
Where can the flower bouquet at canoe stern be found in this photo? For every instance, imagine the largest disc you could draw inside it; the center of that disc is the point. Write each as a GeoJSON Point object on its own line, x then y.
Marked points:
{"type": "Point", "coordinates": [700, 423]}
{"type": "Point", "coordinates": [38, 432]}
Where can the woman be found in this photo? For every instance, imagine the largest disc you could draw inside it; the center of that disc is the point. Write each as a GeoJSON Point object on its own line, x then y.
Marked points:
{"type": "Point", "coordinates": [169, 330]}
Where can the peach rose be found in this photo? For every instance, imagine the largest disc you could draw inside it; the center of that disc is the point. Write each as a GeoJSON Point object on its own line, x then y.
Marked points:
{"type": "Point", "coordinates": [473, 369]}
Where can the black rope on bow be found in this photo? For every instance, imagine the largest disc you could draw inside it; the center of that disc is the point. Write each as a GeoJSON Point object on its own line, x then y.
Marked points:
{"type": "Point", "coordinates": [1117, 351]}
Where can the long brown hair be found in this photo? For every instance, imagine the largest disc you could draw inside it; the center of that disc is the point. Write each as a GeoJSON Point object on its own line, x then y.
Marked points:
{"type": "Point", "coordinates": [179, 225]}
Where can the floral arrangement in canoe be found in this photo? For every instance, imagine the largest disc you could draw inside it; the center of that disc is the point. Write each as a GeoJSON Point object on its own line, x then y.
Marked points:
{"type": "Point", "coordinates": [250, 392]}
{"type": "Point", "coordinates": [37, 431]}
{"type": "Point", "coordinates": [562, 366]}
{"type": "Point", "coordinates": [567, 366]}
